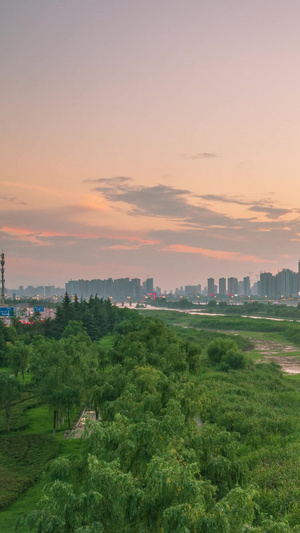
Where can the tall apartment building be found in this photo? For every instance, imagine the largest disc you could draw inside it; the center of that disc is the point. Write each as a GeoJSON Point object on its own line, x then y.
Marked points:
{"type": "Point", "coordinates": [233, 287]}
{"type": "Point", "coordinates": [136, 288]}
{"type": "Point", "coordinates": [246, 286]}
{"type": "Point", "coordinates": [266, 284]}
{"type": "Point", "coordinates": [287, 283]}
{"type": "Point", "coordinates": [210, 286]}
{"type": "Point", "coordinates": [148, 286]}
{"type": "Point", "coordinates": [192, 290]}
{"type": "Point", "coordinates": [222, 286]}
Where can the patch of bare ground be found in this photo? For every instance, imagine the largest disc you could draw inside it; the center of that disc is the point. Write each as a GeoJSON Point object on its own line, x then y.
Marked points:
{"type": "Point", "coordinates": [273, 350]}
{"type": "Point", "coordinates": [271, 347]}
{"type": "Point", "coordinates": [290, 365]}
{"type": "Point", "coordinates": [78, 429]}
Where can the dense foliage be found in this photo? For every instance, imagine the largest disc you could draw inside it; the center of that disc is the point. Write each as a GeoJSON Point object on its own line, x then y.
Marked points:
{"type": "Point", "coordinates": [98, 317]}
{"type": "Point", "coordinates": [168, 455]}
{"type": "Point", "coordinates": [185, 439]}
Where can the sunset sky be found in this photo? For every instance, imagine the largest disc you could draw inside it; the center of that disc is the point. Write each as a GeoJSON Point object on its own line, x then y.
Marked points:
{"type": "Point", "coordinates": [156, 137]}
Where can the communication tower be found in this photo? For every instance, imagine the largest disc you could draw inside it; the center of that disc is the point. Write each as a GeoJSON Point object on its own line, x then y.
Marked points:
{"type": "Point", "coordinates": [2, 279]}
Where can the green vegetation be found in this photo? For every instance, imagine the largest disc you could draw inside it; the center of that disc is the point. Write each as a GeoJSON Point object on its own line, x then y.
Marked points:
{"type": "Point", "coordinates": [289, 331]}
{"type": "Point", "coordinates": [193, 437]}
{"type": "Point", "coordinates": [17, 416]}
{"type": "Point", "coordinates": [22, 462]}
{"type": "Point", "coordinates": [256, 308]}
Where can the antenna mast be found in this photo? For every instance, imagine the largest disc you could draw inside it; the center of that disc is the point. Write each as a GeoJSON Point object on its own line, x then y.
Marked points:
{"type": "Point", "coordinates": [2, 279]}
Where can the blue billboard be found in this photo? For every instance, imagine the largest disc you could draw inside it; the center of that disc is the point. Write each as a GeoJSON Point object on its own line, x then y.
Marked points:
{"type": "Point", "coordinates": [39, 309]}
{"type": "Point", "coordinates": [6, 311]}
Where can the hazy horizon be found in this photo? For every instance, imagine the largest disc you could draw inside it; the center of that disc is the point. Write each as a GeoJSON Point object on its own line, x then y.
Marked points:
{"type": "Point", "coordinates": [149, 138]}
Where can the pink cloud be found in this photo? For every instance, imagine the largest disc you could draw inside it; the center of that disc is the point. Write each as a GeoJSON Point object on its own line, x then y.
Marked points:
{"type": "Point", "coordinates": [123, 247]}
{"type": "Point", "coordinates": [217, 254]}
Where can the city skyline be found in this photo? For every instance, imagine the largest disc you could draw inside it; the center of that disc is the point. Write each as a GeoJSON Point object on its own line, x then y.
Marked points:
{"type": "Point", "coordinates": [149, 138]}
{"type": "Point", "coordinates": [284, 283]}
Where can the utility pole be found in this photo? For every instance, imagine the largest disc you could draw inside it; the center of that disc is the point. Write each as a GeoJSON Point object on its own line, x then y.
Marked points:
{"type": "Point", "coordinates": [2, 280]}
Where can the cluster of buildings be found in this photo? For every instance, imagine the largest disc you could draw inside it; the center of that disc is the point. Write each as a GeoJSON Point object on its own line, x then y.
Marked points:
{"type": "Point", "coordinates": [41, 291]}
{"type": "Point", "coordinates": [284, 284]}
{"type": "Point", "coordinates": [117, 289]}
{"type": "Point", "coordinates": [229, 287]}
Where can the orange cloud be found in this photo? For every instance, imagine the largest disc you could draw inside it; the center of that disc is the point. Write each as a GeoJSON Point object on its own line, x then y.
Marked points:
{"type": "Point", "coordinates": [217, 254]}
{"type": "Point", "coordinates": [48, 190]}
{"type": "Point", "coordinates": [17, 231]}
{"type": "Point", "coordinates": [123, 247]}
{"type": "Point", "coordinates": [23, 232]}
{"type": "Point", "coordinates": [131, 238]}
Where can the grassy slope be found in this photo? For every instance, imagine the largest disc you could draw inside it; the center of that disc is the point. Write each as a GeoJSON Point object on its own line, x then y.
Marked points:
{"type": "Point", "coordinates": [25, 458]}
{"type": "Point", "coordinates": [40, 425]}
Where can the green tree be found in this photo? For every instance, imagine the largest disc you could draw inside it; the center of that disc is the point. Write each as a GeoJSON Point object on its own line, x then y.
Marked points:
{"type": "Point", "coordinates": [8, 394]}
{"type": "Point", "coordinates": [18, 357]}
{"type": "Point", "coordinates": [4, 338]}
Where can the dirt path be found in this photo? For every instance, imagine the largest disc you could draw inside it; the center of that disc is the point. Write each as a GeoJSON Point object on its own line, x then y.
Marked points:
{"type": "Point", "coordinates": [78, 429]}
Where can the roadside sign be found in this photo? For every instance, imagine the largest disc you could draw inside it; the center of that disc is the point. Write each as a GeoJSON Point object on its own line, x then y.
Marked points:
{"type": "Point", "coordinates": [39, 309]}
{"type": "Point", "coordinates": [6, 311]}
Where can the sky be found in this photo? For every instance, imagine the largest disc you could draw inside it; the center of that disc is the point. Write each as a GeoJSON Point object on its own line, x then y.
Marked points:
{"type": "Point", "coordinates": [149, 137]}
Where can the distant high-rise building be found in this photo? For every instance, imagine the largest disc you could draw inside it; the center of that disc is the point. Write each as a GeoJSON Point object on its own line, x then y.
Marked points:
{"type": "Point", "coordinates": [49, 290]}
{"type": "Point", "coordinates": [148, 286]}
{"type": "Point", "coordinates": [119, 289]}
{"type": "Point", "coordinates": [136, 287]}
{"type": "Point", "coordinates": [287, 283]}
{"type": "Point", "coordinates": [240, 288]}
{"type": "Point", "coordinates": [246, 286]}
{"type": "Point", "coordinates": [266, 284]}
{"type": "Point", "coordinates": [210, 286]}
{"type": "Point", "coordinates": [192, 290]}
{"type": "Point", "coordinates": [222, 286]}
{"type": "Point", "coordinates": [233, 286]}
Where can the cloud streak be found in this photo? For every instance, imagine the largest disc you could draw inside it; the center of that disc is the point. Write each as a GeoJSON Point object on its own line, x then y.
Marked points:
{"type": "Point", "coordinates": [216, 254]}
{"type": "Point", "coordinates": [13, 199]}
{"type": "Point", "coordinates": [200, 155]}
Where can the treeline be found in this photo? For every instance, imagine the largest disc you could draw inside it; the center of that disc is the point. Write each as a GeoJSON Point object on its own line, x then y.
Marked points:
{"type": "Point", "coordinates": [97, 315]}
{"type": "Point", "coordinates": [60, 354]}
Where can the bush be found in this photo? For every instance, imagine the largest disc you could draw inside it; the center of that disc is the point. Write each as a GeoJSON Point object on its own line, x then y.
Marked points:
{"type": "Point", "coordinates": [234, 359]}
{"type": "Point", "coordinates": [225, 354]}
